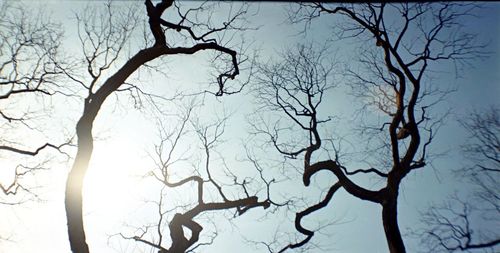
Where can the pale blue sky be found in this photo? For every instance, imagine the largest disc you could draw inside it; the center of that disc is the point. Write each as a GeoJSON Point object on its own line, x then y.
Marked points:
{"type": "Point", "coordinates": [126, 137]}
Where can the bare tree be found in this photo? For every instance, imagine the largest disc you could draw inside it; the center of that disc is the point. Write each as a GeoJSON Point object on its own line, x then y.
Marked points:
{"type": "Point", "coordinates": [215, 190]}
{"type": "Point", "coordinates": [401, 42]}
{"type": "Point", "coordinates": [103, 38]}
{"type": "Point", "coordinates": [296, 86]}
{"type": "Point", "coordinates": [29, 50]}
{"type": "Point", "coordinates": [468, 224]}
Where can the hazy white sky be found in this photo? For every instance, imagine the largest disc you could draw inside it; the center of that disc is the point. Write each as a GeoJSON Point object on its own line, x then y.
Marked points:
{"type": "Point", "coordinates": [116, 195]}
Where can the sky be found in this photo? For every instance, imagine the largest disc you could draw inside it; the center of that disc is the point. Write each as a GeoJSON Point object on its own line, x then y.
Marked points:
{"type": "Point", "coordinates": [118, 196]}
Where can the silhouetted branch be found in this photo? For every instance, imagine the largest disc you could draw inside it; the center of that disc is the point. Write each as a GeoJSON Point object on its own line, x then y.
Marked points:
{"type": "Point", "coordinates": [206, 184]}
{"type": "Point", "coordinates": [453, 226]}
{"type": "Point", "coordinates": [450, 229]}
{"type": "Point", "coordinates": [300, 215]}
{"type": "Point", "coordinates": [35, 152]}
{"type": "Point", "coordinates": [29, 52]}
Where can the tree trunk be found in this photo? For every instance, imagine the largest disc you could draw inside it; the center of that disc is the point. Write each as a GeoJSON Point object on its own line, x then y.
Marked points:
{"type": "Point", "coordinates": [74, 186]}
{"type": "Point", "coordinates": [74, 183]}
{"type": "Point", "coordinates": [391, 227]}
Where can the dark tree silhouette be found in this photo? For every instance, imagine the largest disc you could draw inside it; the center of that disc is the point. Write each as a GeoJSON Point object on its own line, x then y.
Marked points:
{"type": "Point", "coordinates": [103, 38]}
{"type": "Point", "coordinates": [394, 85]}
{"type": "Point", "coordinates": [469, 224]}
{"type": "Point", "coordinates": [401, 42]}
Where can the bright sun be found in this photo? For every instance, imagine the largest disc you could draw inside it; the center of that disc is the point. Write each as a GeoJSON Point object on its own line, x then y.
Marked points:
{"type": "Point", "coordinates": [111, 178]}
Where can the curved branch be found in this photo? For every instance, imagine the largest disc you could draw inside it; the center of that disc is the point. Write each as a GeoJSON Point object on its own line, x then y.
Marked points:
{"type": "Point", "coordinates": [370, 170]}
{"type": "Point", "coordinates": [300, 215]}
{"type": "Point", "coordinates": [344, 181]}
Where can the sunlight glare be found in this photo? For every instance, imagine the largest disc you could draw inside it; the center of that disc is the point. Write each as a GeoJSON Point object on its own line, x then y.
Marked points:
{"type": "Point", "coordinates": [113, 173]}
